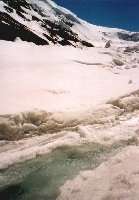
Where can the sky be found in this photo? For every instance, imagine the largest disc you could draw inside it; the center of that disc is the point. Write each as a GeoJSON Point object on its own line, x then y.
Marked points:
{"type": "Point", "coordinates": [111, 13]}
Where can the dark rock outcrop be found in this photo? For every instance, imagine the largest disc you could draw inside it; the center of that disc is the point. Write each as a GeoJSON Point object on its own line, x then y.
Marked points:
{"type": "Point", "coordinates": [132, 49]}
{"type": "Point", "coordinates": [129, 36]}
{"type": "Point", "coordinates": [108, 44]}
{"type": "Point", "coordinates": [87, 44]}
{"type": "Point", "coordinates": [10, 29]}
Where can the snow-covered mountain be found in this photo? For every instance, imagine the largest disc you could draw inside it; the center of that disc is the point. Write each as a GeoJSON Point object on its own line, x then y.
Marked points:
{"type": "Point", "coordinates": [43, 22]}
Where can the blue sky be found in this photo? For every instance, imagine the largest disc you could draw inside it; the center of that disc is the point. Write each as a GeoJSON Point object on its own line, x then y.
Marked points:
{"type": "Point", "coordinates": [113, 13]}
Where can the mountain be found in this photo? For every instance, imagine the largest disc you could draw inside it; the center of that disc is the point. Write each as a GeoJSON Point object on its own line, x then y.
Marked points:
{"type": "Point", "coordinates": [43, 22]}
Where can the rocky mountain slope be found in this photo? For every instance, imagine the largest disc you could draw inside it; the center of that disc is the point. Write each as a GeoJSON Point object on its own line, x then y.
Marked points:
{"type": "Point", "coordinates": [43, 22]}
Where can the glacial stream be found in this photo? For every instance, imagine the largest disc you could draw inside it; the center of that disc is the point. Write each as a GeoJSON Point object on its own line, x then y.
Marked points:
{"type": "Point", "coordinates": [41, 178]}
